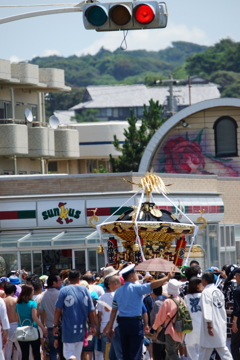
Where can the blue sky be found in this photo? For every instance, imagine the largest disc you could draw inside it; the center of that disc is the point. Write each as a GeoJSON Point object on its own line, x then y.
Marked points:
{"type": "Point", "coordinates": [203, 22]}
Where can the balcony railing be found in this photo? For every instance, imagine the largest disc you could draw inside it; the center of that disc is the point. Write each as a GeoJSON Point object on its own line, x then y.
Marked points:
{"type": "Point", "coordinates": [34, 123]}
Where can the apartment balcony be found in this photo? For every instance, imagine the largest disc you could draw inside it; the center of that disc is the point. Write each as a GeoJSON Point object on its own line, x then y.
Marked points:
{"type": "Point", "coordinates": [66, 143]}
{"type": "Point", "coordinates": [41, 141]}
{"type": "Point", "coordinates": [13, 138]}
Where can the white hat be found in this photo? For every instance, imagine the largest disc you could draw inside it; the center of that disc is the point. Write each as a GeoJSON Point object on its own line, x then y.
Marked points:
{"type": "Point", "coordinates": [173, 287]}
{"type": "Point", "coordinates": [127, 269]}
{"type": "Point", "coordinates": [109, 271]}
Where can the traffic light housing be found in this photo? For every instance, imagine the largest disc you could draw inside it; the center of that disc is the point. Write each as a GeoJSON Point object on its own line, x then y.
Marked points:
{"type": "Point", "coordinates": [125, 16]}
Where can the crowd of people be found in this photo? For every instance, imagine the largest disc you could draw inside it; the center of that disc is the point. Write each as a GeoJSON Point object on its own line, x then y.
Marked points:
{"type": "Point", "coordinates": [121, 314]}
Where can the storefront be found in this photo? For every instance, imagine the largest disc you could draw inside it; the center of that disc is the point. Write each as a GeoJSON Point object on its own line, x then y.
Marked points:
{"type": "Point", "coordinates": [39, 231]}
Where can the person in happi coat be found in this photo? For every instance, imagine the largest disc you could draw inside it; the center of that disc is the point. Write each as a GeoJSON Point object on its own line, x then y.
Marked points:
{"type": "Point", "coordinates": [214, 321]}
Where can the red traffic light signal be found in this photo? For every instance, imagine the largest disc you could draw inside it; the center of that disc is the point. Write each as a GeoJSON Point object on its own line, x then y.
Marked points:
{"type": "Point", "coordinates": [144, 14]}
{"type": "Point", "coordinates": [125, 16]}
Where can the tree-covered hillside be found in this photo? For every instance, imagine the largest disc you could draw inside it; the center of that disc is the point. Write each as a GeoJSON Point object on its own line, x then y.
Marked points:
{"type": "Point", "coordinates": [125, 67]}
{"type": "Point", "coordinates": [219, 63]}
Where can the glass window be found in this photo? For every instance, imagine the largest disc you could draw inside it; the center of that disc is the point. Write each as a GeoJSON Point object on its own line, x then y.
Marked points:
{"type": "Point", "coordinates": [115, 112]}
{"type": "Point", "coordinates": [228, 236]}
{"type": "Point", "coordinates": [222, 258]}
{"type": "Point", "coordinates": [225, 137]}
{"type": "Point", "coordinates": [5, 110]}
{"type": "Point", "coordinates": [213, 245]}
{"type": "Point", "coordinates": [124, 112]}
{"type": "Point", "coordinates": [101, 261]}
{"type": "Point", "coordinates": [222, 240]}
{"type": "Point", "coordinates": [37, 263]}
{"type": "Point", "coordinates": [8, 110]}
{"type": "Point", "coordinates": [80, 262]}
{"type": "Point", "coordinates": [8, 262]}
{"type": "Point", "coordinates": [106, 112]}
{"type": "Point", "coordinates": [26, 263]}
{"type": "Point", "coordinates": [92, 259]}
{"type": "Point", "coordinates": [230, 257]}
{"type": "Point", "coordinates": [52, 166]}
{"type": "Point", "coordinates": [61, 259]}
{"type": "Point", "coordinates": [33, 108]}
{"type": "Point", "coordinates": [140, 111]}
{"type": "Point", "coordinates": [202, 238]}
{"type": "Point", "coordinates": [237, 232]}
{"type": "Point", "coordinates": [232, 237]}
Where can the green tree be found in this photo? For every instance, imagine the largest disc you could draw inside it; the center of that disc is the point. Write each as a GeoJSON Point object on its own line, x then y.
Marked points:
{"type": "Point", "coordinates": [232, 90]}
{"type": "Point", "coordinates": [63, 100]}
{"type": "Point", "coordinates": [87, 115]}
{"type": "Point", "coordinates": [137, 137]}
{"type": "Point", "coordinates": [101, 170]}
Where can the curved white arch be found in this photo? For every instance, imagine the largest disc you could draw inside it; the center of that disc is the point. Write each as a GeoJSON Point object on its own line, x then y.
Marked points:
{"type": "Point", "coordinates": [167, 126]}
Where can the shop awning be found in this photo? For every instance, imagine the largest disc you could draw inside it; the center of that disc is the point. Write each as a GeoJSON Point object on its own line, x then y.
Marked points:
{"type": "Point", "coordinates": [49, 239]}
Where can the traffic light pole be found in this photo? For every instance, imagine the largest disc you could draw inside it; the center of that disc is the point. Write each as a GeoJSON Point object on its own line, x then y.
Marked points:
{"type": "Point", "coordinates": [76, 8]}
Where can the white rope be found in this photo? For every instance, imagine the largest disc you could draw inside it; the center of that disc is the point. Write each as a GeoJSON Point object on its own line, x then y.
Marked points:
{"type": "Point", "coordinates": [120, 207]}
{"type": "Point", "coordinates": [98, 227]}
{"type": "Point", "coordinates": [195, 226]}
{"type": "Point", "coordinates": [178, 209]}
{"type": "Point", "coordinates": [136, 226]}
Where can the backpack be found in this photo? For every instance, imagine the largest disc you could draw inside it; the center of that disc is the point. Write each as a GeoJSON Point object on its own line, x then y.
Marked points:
{"type": "Point", "coordinates": [183, 321]}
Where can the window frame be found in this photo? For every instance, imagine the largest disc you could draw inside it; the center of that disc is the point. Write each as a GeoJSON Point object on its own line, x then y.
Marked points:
{"type": "Point", "coordinates": [217, 152]}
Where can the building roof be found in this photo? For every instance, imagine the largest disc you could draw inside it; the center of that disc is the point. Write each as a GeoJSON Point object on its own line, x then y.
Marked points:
{"type": "Point", "coordinates": [137, 95]}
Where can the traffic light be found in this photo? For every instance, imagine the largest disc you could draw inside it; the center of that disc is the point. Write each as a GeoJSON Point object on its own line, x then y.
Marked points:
{"type": "Point", "coordinates": [125, 16]}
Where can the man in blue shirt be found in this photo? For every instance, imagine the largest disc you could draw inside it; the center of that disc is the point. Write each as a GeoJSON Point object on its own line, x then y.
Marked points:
{"type": "Point", "coordinates": [75, 304]}
{"type": "Point", "coordinates": [128, 301]}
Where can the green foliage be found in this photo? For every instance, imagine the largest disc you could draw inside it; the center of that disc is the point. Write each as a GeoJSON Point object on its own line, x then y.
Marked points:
{"type": "Point", "coordinates": [224, 55]}
{"type": "Point", "coordinates": [232, 90]}
{"type": "Point", "coordinates": [180, 72]}
{"type": "Point", "coordinates": [101, 170]}
{"type": "Point", "coordinates": [137, 138]}
{"type": "Point", "coordinates": [219, 63]}
{"type": "Point", "coordinates": [63, 100]}
{"type": "Point", "coordinates": [128, 67]}
{"type": "Point", "coordinates": [86, 115]}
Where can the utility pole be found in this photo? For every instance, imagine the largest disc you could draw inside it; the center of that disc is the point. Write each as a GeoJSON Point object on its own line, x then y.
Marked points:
{"type": "Point", "coordinates": [171, 82]}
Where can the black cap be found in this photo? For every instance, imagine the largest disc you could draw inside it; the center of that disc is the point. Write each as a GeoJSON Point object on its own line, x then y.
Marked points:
{"type": "Point", "coordinates": [237, 271]}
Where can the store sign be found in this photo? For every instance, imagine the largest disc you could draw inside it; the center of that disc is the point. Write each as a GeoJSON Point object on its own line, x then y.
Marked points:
{"type": "Point", "coordinates": [61, 213]}
{"type": "Point", "coordinates": [18, 215]}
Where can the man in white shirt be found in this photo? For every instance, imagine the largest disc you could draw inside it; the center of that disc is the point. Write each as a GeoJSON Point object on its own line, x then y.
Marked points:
{"type": "Point", "coordinates": [214, 323]}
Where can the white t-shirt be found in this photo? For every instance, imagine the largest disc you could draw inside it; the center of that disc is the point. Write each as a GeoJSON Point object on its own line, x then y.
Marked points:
{"type": "Point", "coordinates": [38, 298]}
{"type": "Point", "coordinates": [107, 298]}
{"type": "Point", "coordinates": [192, 302]}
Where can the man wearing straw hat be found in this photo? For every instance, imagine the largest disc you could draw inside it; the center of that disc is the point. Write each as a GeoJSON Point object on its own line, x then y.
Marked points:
{"type": "Point", "coordinates": [128, 301]}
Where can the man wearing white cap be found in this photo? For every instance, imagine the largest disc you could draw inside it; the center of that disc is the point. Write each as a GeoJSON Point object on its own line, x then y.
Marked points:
{"type": "Point", "coordinates": [128, 301]}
